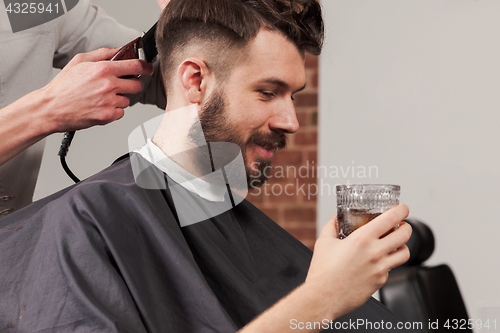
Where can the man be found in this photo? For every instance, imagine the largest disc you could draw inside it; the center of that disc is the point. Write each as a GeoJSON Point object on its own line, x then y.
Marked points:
{"type": "Point", "coordinates": [87, 92]}
{"type": "Point", "coordinates": [126, 249]}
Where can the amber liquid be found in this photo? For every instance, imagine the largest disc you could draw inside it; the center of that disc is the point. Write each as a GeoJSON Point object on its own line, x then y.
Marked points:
{"type": "Point", "coordinates": [352, 219]}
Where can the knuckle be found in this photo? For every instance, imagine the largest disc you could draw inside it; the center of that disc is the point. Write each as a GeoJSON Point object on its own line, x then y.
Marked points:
{"type": "Point", "coordinates": [106, 115]}
{"type": "Point", "coordinates": [406, 209]}
{"type": "Point", "coordinates": [397, 214]}
{"type": "Point", "coordinates": [80, 57]}
{"type": "Point", "coordinates": [102, 53]}
{"type": "Point", "coordinates": [376, 258]}
{"type": "Point", "coordinates": [403, 211]}
{"type": "Point", "coordinates": [383, 272]}
{"type": "Point", "coordinates": [126, 101]}
{"type": "Point", "coordinates": [404, 233]}
{"type": "Point", "coordinates": [102, 69]}
{"type": "Point", "coordinates": [106, 87]}
{"type": "Point", "coordinates": [358, 241]}
{"type": "Point", "coordinates": [381, 277]}
{"type": "Point", "coordinates": [409, 231]}
{"type": "Point", "coordinates": [406, 254]}
{"type": "Point", "coordinates": [119, 113]}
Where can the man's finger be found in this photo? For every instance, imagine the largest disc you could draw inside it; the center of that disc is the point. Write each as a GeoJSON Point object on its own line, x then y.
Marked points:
{"type": "Point", "coordinates": [397, 238]}
{"type": "Point", "coordinates": [330, 228]}
{"type": "Point", "coordinates": [129, 86]}
{"type": "Point", "coordinates": [131, 67]}
{"type": "Point", "coordinates": [122, 102]}
{"type": "Point", "coordinates": [388, 220]}
{"type": "Point", "coordinates": [94, 56]}
{"type": "Point", "coordinates": [398, 257]}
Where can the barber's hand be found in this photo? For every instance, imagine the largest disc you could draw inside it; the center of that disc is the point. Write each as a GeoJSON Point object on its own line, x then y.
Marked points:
{"type": "Point", "coordinates": [89, 90]}
{"type": "Point", "coordinates": [162, 3]}
{"type": "Point", "coordinates": [349, 271]}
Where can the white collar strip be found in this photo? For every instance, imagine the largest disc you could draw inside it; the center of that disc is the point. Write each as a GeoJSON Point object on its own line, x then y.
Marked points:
{"type": "Point", "coordinates": [208, 191]}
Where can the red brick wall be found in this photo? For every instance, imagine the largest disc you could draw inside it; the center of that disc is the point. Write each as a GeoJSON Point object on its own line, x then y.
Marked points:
{"type": "Point", "coordinates": [289, 196]}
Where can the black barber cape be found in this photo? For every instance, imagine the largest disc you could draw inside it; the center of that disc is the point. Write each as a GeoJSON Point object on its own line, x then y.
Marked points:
{"type": "Point", "coordinates": [106, 255]}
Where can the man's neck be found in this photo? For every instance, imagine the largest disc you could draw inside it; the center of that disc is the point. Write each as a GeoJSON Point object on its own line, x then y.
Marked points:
{"type": "Point", "coordinates": [180, 137]}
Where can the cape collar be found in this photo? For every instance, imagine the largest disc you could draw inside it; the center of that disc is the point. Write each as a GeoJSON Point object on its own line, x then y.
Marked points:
{"type": "Point", "coordinates": [208, 191]}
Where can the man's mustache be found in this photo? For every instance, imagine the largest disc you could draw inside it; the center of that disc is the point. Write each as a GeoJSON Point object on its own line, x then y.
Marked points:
{"type": "Point", "coordinates": [273, 140]}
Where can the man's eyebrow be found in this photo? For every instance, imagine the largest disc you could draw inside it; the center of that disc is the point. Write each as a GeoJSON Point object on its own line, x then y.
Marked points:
{"type": "Point", "coordinates": [282, 83]}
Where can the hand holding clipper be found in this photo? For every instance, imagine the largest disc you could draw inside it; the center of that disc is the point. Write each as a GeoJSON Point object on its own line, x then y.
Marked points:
{"type": "Point", "coordinates": [143, 48]}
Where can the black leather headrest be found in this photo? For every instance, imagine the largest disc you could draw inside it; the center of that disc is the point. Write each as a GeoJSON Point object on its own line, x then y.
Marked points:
{"type": "Point", "coordinates": [421, 243]}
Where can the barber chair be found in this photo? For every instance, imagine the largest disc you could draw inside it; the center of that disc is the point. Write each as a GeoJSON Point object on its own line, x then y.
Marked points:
{"type": "Point", "coordinates": [428, 295]}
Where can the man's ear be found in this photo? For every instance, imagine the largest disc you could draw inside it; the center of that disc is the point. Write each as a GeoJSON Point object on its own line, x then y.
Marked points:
{"type": "Point", "coordinates": [194, 77]}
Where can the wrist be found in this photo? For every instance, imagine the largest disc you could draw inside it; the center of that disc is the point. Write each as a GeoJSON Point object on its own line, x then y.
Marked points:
{"type": "Point", "coordinates": [44, 111]}
{"type": "Point", "coordinates": [24, 124]}
{"type": "Point", "coordinates": [322, 299]}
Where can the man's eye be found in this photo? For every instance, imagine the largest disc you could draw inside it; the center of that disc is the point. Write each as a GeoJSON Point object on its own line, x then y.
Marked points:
{"type": "Point", "coordinates": [267, 94]}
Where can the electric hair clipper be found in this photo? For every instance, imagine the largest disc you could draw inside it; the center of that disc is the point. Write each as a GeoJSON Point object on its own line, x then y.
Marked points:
{"type": "Point", "coordinates": [144, 48]}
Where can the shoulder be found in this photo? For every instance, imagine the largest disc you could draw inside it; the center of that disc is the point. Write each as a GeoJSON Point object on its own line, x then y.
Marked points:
{"type": "Point", "coordinates": [113, 188]}
{"type": "Point", "coordinates": [106, 193]}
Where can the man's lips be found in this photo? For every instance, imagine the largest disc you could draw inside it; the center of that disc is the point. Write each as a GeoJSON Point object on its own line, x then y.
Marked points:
{"type": "Point", "coordinates": [266, 152]}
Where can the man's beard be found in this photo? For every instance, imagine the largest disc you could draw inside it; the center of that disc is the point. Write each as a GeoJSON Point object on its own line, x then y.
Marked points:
{"type": "Point", "coordinates": [216, 128]}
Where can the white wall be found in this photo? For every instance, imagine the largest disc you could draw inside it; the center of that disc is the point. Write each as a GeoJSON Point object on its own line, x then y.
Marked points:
{"type": "Point", "coordinates": [413, 88]}
{"type": "Point", "coordinates": [96, 148]}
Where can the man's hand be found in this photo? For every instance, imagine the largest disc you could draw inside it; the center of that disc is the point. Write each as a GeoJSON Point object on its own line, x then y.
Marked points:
{"type": "Point", "coordinates": [162, 3]}
{"type": "Point", "coordinates": [343, 273]}
{"type": "Point", "coordinates": [89, 90]}
{"type": "Point", "coordinates": [349, 271]}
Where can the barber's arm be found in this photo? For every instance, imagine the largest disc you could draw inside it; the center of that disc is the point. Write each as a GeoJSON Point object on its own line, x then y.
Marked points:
{"type": "Point", "coordinates": [75, 92]}
{"type": "Point", "coordinates": [87, 92]}
{"type": "Point", "coordinates": [88, 27]}
{"type": "Point", "coordinates": [343, 273]}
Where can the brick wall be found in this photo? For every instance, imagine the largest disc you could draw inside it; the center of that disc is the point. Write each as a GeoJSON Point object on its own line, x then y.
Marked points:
{"type": "Point", "coordinates": [289, 196]}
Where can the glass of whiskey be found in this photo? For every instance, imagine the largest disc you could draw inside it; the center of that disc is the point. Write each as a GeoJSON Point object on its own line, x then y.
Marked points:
{"type": "Point", "coordinates": [358, 204]}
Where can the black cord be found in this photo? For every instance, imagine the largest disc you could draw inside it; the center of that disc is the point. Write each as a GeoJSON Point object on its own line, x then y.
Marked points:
{"type": "Point", "coordinates": [68, 171]}
{"type": "Point", "coordinates": [63, 150]}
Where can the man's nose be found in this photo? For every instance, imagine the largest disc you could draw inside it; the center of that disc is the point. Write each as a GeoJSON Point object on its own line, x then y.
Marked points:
{"type": "Point", "coordinates": [285, 119]}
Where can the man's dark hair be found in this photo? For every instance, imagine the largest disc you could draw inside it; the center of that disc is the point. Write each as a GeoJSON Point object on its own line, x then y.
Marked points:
{"type": "Point", "coordinates": [223, 27]}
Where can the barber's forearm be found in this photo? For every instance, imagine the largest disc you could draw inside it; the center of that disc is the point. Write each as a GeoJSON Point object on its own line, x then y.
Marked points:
{"type": "Point", "coordinates": [23, 123]}
{"type": "Point", "coordinates": [305, 304]}
{"type": "Point", "coordinates": [89, 91]}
